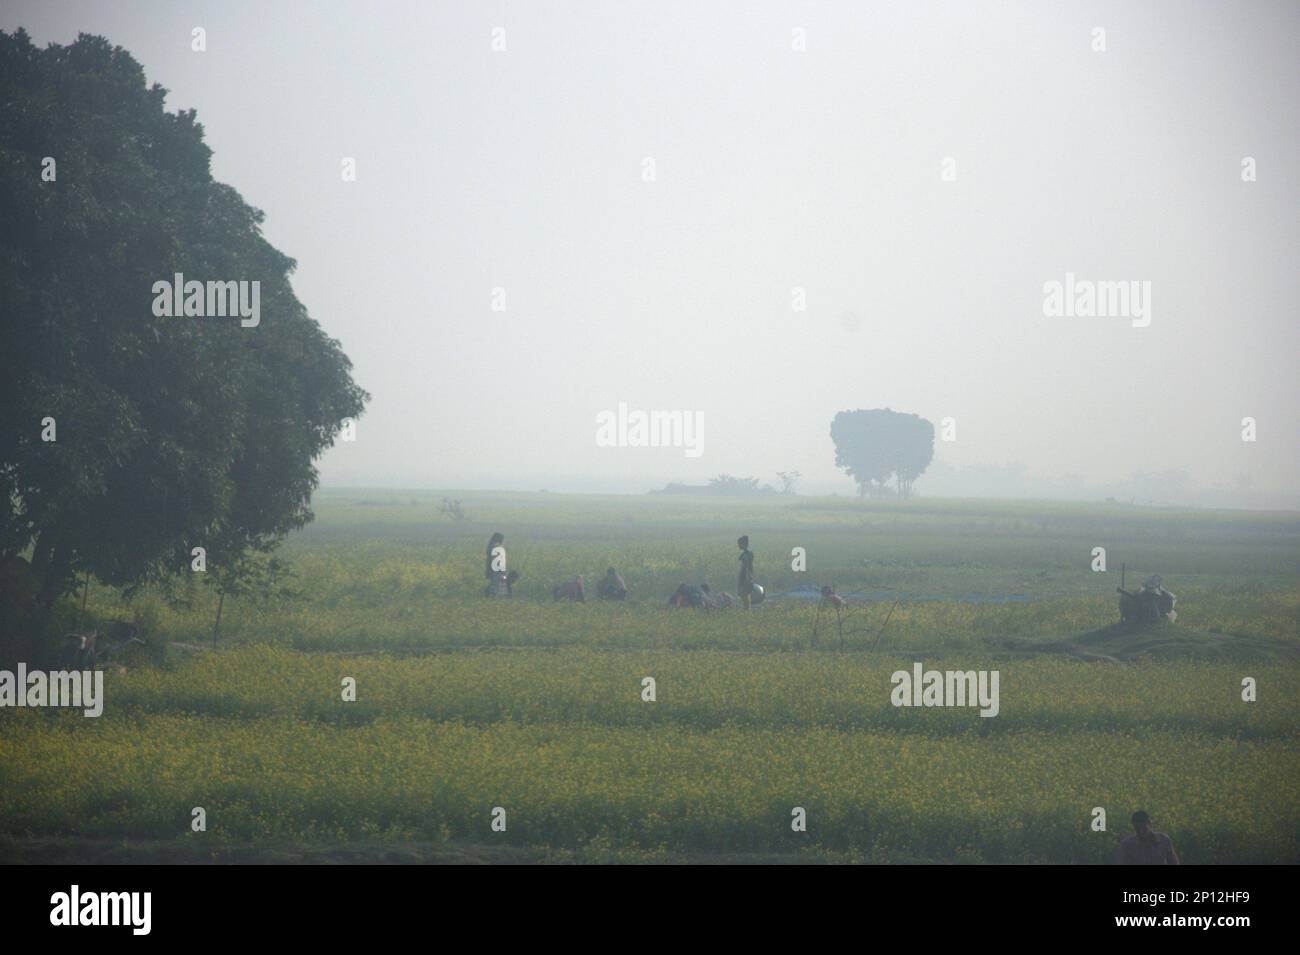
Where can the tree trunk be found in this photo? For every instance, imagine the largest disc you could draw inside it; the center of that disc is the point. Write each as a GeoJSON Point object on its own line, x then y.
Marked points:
{"type": "Point", "coordinates": [41, 554]}
{"type": "Point", "coordinates": [221, 602]}
{"type": "Point", "coordinates": [85, 595]}
{"type": "Point", "coordinates": [54, 580]}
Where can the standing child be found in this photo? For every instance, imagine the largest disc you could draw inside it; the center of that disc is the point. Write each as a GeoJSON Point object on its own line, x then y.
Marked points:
{"type": "Point", "coordinates": [745, 582]}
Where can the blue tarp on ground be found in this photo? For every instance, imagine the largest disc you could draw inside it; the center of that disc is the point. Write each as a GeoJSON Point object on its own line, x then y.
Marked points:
{"type": "Point", "coordinates": [814, 593]}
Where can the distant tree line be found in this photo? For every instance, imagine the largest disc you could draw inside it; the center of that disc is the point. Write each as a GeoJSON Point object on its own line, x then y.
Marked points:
{"type": "Point", "coordinates": [725, 485]}
{"type": "Point", "coordinates": [877, 447]}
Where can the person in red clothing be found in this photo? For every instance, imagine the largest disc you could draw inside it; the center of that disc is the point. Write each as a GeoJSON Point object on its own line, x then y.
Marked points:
{"type": "Point", "coordinates": [835, 600]}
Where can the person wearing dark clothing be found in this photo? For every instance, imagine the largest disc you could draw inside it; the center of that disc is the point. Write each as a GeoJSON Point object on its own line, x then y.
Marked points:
{"type": "Point", "coordinates": [700, 596]}
{"type": "Point", "coordinates": [1146, 847]}
{"type": "Point", "coordinates": [494, 567]}
{"type": "Point", "coordinates": [687, 596]}
{"type": "Point", "coordinates": [745, 582]}
{"type": "Point", "coordinates": [612, 586]}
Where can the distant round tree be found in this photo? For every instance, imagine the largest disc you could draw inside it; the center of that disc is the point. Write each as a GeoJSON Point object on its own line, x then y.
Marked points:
{"type": "Point", "coordinates": [913, 450]}
{"type": "Point", "coordinates": [128, 439]}
{"type": "Point", "coordinates": [874, 445]}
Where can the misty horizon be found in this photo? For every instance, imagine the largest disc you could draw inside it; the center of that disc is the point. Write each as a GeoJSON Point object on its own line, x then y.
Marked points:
{"type": "Point", "coordinates": [765, 216]}
{"type": "Point", "coordinates": [650, 434]}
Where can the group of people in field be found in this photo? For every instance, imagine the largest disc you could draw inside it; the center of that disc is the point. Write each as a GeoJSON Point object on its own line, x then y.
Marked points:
{"type": "Point", "coordinates": [501, 580]}
{"type": "Point", "coordinates": [702, 595]}
{"type": "Point", "coordinates": [612, 586]}
{"type": "Point", "coordinates": [1145, 847]}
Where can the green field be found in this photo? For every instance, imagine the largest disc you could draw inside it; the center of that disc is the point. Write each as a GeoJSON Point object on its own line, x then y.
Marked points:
{"type": "Point", "coordinates": [465, 704]}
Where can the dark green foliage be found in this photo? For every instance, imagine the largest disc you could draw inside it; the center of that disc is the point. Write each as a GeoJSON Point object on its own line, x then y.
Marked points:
{"type": "Point", "coordinates": [171, 432]}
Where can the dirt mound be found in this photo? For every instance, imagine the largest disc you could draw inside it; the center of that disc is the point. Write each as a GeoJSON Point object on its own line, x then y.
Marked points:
{"type": "Point", "coordinates": [1119, 643]}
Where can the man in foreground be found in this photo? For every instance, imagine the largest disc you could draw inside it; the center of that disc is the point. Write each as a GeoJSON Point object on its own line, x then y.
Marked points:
{"type": "Point", "coordinates": [1146, 847]}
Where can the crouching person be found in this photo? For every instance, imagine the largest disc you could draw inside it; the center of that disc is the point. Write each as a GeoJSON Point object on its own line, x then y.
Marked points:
{"type": "Point", "coordinates": [835, 600]}
{"type": "Point", "coordinates": [686, 595]}
{"type": "Point", "coordinates": [571, 589]}
{"type": "Point", "coordinates": [612, 586]}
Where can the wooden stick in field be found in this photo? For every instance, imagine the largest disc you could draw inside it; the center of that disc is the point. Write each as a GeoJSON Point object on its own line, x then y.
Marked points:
{"type": "Point", "coordinates": [885, 624]}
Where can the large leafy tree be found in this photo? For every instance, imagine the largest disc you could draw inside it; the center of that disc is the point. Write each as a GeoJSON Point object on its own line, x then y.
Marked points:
{"type": "Point", "coordinates": [169, 433]}
{"type": "Point", "coordinates": [874, 445]}
{"type": "Point", "coordinates": [913, 449]}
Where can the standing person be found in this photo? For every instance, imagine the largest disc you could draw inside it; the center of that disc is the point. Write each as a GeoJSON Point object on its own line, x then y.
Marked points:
{"type": "Point", "coordinates": [494, 567]}
{"type": "Point", "coordinates": [745, 582]}
{"type": "Point", "coordinates": [1147, 847]}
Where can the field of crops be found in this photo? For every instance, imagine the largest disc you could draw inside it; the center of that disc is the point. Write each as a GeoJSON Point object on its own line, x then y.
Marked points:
{"type": "Point", "coordinates": [465, 705]}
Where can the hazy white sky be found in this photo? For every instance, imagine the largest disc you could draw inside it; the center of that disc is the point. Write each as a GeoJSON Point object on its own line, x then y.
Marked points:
{"type": "Point", "coordinates": [775, 169]}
